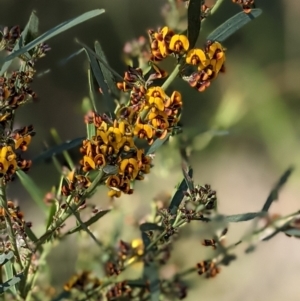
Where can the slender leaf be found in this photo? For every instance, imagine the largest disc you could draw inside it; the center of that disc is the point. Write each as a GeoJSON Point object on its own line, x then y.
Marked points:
{"type": "Point", "coordinates": [92, 103]}
{"type": "Point", "coordinates": [110, 169]}
{"type": "Point", "coordinates": [53, 210]}
{"type": "Point", "coordinates": [11, 282]}
{"type": "Point", "coordinates": [55, 31]}
{"type": "Point", "coordinates": [4, 258]}
{"type": "Point", "coordinates": [151, 275]}
{"type": "Point", "coordinates": [31, 25]}
{"type": "Point", "coordinates": [57, 149]}
{"type": "Point", "coordinates": [178, 197]}
{"type": "Point", "coordinates": [243, 217]}
{"type": "Point", "coordinates": [32, 189]}
{"type": "Point", "coordinates": [108, 75]}
{"type": "Point", "coordinates": [64, 61]}
{"type": "Point", "coordinates": [98, 73]}
{"type": "Point", "coordinates": [188, 176]}
{"type": "Point", "coordinates": [292, 232]}
{"type": "Point", "coordinates": [150, 226]}
{"type": "Point", "coordinates": [273, 196]}
{"type": "Point", "coordinates": [230, 26]}
{"type": "Point", "coordinates": [8, 268]}
{"type": "Point", "coordinates": [157, 144]}
{"type": "Point", "coordinates": [89, 222]}
{"type": "Point", "coordinates": [194, 22]}
{"type": "Point", "coordinates": [146, 240]}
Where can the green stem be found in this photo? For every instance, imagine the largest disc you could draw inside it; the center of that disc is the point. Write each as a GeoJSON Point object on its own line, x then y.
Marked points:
{"type": "Point", "coordinates": [216, 6]}
{"type": "Point", "coordinates": [9, 227]}
{"type": "Point", "coordinates": [171, 77]}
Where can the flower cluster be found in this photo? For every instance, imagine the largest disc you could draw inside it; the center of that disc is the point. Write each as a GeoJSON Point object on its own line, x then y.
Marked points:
{"type": "Point", "coordinates": [82, 282]}
{"type": "Point", "coordinates": [247, 5]}
{"type": "Point", "coordinates": [165, 42]}
{"type": "Point", "coordinates": [14, 91]}
{"type": "Point", "coordinates": [148, 115]}
{"type": "Point", "coordinates": [9, 37]}
{"type": "Point", "coordinates": [209, 61]}
{"type": "Point", "coordinates": [208, 268]}
{"type": "Point", "coordinates": [125, 252]}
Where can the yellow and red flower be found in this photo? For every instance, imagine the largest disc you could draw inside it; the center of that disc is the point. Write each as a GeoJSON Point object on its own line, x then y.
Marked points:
{"type": "Point", "coordinates": [179, 43]}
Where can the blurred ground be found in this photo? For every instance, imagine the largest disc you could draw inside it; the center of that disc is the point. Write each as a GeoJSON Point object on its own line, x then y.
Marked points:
{"type": "Point", "coordinates": [256, 101]}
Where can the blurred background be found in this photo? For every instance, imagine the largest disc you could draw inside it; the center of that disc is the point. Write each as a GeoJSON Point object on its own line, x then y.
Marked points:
{"type": "Point", "coordinates": [243, 131]}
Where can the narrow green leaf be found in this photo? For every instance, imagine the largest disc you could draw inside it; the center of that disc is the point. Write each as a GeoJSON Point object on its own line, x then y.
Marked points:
{"type": "Point", "coordinates": [230, 26]}
{"type": "Point", "coordinates": [91, 92]}
{"type": "Point", "coordinates": [194, 22]}
{"type": "Point", "coordinates": [243, 217]}
{"type": "Point", "coordinates": [11, 282]}
{"type": "Point", "coordinates": [55, 31]}
{"type": "Point", "coordinates": [32, 189]}
{"type": "Point", "coordinates": [4, 258]}
{"type": "Point", "coordinates": [146, 240]}
{"type": "Point", "coordinates": [8, 268]}
{"type": "Point", "coordinates": [57, 149]}
{"type": "Point", "coordinates": [188, 176]}
{"type": "Point", "coordinates": [31, 26]}
{"type": "Point", "coordinates": [292, 232]}
{"type": "Point", "coordinates": [178, 197]}
{"type": "Point", "coordinates": [53, 210]}
{"type": "Point", "coordinates": [151, 275]}
{"type": "Point", "coordinates": [157, 144]}
{"type": "Point", "coordinates": [273, 196]}
{"type": "Point", "coordinates": [110, 169]}
{"type": "Point", "coordinates": [89, 222]}
{"type": "Point", "coordinates": [150, 226]}
{"type": "Point", "coordinates": [33, 238]}
{"type": "Point", "coordinates": [98, 73]}
{"type": "Point", "coordinates": [108, 76]}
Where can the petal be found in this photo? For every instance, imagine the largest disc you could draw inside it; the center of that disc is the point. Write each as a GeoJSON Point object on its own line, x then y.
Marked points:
{"type": "Point", "coordinates": [185, 42]}
{"type": "Point", "coordinates": [174, 39]}
{"type": "Point", "coordinates": [114, 193]}
{"type": "Point", "coordinates": [148, 130]}
{"type": "Point", "coordinates": [134, 163]}
{"type": "Point", "coordinates": [164, 31]}
{"type": "Point", "coordinates": [89, 161]}
{"type": "Point", "coordinates": [163, 48]}
{"type": "Point", "coordinates": [123, 165]}
{"type": "Point", "coordinates": [158, 102]}
{"type": "Point", "coordinates": [103, 136]}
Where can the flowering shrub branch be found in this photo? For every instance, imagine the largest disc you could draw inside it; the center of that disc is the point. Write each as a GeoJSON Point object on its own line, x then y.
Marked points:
{"type": "Point", "coordinates": [118, 151]}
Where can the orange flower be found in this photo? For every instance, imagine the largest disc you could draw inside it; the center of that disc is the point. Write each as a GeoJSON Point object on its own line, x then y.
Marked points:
{"type": "Point", "coordinates": [197, 57]}
{"type": "Point", "coordinates": [217, 66]}
{"type": "Point", "coordinates": [179, 43]}
{"type": "Point", "coordinates": [7, 159]}
{"type": "Point", "coordinates": [88, 163]}
{"type": "Point", "coordinates": [156, 97]}
{"type": "Point", "coordinates": [163, 37]}
{"type": "Point", "coordinates": [214, 50]}
{"type": "Point", "coordinates": [143, 131]}
{"type": "Point", "coordinates": [129, 168]}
